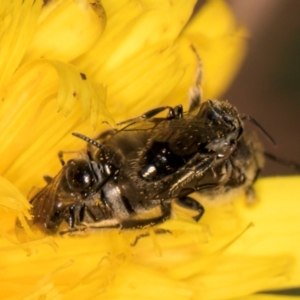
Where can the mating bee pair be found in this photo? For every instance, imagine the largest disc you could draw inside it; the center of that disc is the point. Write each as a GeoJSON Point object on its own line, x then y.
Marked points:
{"type": "Point", "coordinates": [126, 173]}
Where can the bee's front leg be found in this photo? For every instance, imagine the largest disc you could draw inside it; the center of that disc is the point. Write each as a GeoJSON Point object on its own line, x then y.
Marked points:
{"type": "Point", "coordinates": [175, 112]}
{"type": "Point", "coordinates": [76, 213]}
{"type": "Point", "coordinates": [144, 223]}
{"type": "Point", "coordinates": [191, 204]}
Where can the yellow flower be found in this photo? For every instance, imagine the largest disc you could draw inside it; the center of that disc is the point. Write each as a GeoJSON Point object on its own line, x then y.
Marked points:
{"type": "Point", "coordinates": [60, 63]}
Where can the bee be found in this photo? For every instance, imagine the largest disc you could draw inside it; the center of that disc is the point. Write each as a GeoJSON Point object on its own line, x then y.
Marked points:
{"type": "Point", "coordinates": [128, 178]}
{"type": "Point", "coordinates": [126, 173]}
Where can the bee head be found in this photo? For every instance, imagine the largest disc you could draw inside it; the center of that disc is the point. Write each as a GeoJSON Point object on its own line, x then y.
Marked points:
{"type": "Point", "coordinates": [79, 176]}
{"type": "Point", "coordinates": [223, 120]}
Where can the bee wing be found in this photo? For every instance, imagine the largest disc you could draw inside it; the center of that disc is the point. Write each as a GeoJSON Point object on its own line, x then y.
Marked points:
{"type": "Point", "coordinates": [184, 136]}
{"type": "Point", "coordinates": [44, 201]}
{"type": "Point", "coordinates": [170, 126]}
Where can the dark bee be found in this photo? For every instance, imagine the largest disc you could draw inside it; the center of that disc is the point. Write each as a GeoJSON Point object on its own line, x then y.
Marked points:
{"type": "Point", "coordinates": [129, 177]}
{"type": "Point", "coordinates": [125, 174]}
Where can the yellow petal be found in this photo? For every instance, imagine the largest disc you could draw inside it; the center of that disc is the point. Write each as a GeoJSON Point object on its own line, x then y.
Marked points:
{"type": "Point", "coordinates": [144, 58]}
{"type": "Point", "coordinates": [144, 24]}
{"type": "Point", "coordinates": [221, 44]}
{"type": "Point", "coordinates": [186, 263]}
{"type": "Point", "coordinates": [276, 224]}
{"type": "Point", "coordinates": [137, 59]}
{"type": "Point", "coordinates": [158, 65]}
{"type": "Point", "coordinates": [33, 131]}
{"type": "Point", "coordinates": [269, 297]}
{"type": "Point", "coordinates": [17, 26]}
{"type": "Point", "coordinates": [80, 23]}
{"type": "Point", "coordinates": [11, 199]}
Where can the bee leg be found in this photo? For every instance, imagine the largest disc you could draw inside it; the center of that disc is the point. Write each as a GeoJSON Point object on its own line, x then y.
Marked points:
{"type": "Point", "coordinates": [250, 195]}
{"type": "Point", "coordinates": [202, 164]}
{"type": "Point", "coordinates": [70, 232]}
{"type": "Point", "coordinates": [175, 112]}
{"type": "Point", "coordinates": [195, 92]}
{"type": "Point", "coordinates": [76, 212]}
{"type": "Point", "coordinates": [146, 234]}
{"type": "Point", "coordinates": [48, 179]}
{"type": "Point", "coordinates": [74, 220]}
{"type": "Point", "coordinates": [138, 237]}
{"type": "Point", "coordinates": [61, 156]}
{"type": "Point", "coordinates": [191, 204]}
{"type": "Point", "coordinates": [143, 223]}
{"type": "Point", "coordinates": [85, 228]}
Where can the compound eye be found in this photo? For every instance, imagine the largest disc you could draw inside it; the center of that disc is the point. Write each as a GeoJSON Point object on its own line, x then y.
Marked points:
{"type": "Point", "coordinates": [233, 123]}
{"type": "Point", "coordinates": [79, 175]}
{"type": "Point", "coordinates": [212, 115]}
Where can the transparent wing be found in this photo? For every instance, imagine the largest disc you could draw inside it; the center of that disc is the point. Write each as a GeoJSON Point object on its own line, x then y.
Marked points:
{"type": "Point", "coordinates": [43, 203]}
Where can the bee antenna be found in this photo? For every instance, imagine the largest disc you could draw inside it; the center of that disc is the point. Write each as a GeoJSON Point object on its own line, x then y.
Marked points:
{"type": "Point", "coordinates": [88, 140]}
{"type": "Point", "coordinates": [288, 163]}
{"type": "Point", "coordinates": [253, 121]}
